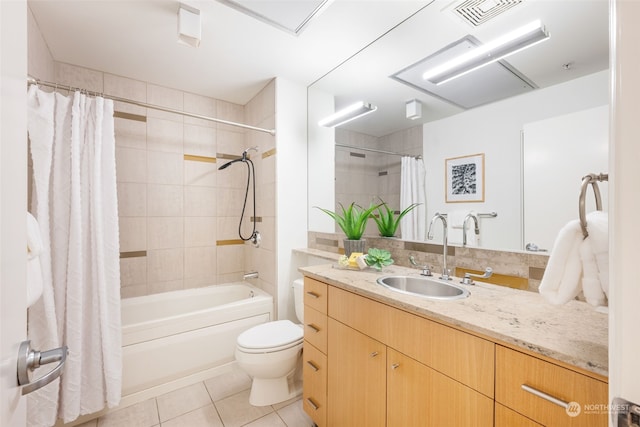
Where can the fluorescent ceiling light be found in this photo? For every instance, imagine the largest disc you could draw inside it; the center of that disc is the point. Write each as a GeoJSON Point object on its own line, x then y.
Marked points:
{"type": "Point", "coordinates": [510, 43]}
{"type": "Point", "coordinates": [347, 114]}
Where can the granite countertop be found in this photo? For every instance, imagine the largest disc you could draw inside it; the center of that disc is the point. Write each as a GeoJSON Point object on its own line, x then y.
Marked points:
{"type": "Point", "coordinates": [573, 333]}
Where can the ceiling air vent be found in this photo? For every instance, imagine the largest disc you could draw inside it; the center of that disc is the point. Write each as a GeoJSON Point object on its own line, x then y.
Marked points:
{"type": "Point", "coordinates": [477, 12]}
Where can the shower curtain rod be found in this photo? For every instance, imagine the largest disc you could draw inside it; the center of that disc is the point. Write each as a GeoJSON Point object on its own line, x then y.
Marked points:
{"type": "Point", "coordinates": [393, 153]}
{"type": "Point", "coordinates": [32, 81]}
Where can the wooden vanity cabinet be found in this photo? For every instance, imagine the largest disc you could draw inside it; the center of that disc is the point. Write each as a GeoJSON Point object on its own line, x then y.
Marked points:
{"type": "Point", "coordinates": [314, 353]}
{"type": "Point", "coordinates": [375, 365]}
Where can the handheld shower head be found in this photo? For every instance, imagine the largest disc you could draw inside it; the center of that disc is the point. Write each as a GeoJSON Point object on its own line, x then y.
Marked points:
{"type": "Point", "coordinates": [226, 165]}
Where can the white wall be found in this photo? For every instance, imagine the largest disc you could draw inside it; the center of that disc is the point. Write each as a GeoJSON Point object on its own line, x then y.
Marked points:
{"type": "Point", "coordinates": [291, 181]}
{"type": "Point", "coordinates": [495, 130]}
{"type": "Point", "coordinates": [624, 204]}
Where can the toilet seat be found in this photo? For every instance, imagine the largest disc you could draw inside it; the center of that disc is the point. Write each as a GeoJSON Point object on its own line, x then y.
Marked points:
{"type": "Point", "coordinates": [270, 337]}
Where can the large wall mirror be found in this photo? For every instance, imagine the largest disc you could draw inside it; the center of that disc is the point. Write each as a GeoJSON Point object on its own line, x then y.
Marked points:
{"type": "Point", "coordinates": [537, 119]}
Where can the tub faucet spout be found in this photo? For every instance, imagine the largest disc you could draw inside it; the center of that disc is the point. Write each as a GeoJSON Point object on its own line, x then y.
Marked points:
{"type": "Point", "coordinates": [250, 275]}
{"type": "Point", "coordinates": [446, 275]}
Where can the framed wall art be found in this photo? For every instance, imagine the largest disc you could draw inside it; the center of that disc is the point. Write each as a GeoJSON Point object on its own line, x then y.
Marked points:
{"type": "Point", "coordinates": [464, 179]}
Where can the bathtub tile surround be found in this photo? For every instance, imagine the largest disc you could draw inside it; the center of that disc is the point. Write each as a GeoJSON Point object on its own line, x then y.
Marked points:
{"type": "Point", "coordinates": [175, 208]}
{"type": "Point", "coordinates": [220, 401]}
{"type": "Point", "coordinates": [519, 265]}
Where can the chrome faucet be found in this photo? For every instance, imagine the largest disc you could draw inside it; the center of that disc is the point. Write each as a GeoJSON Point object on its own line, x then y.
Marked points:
{"type": "Point", "coordinates": [464, 227]}
{"type": "Point", "coordinates": [446, 274]}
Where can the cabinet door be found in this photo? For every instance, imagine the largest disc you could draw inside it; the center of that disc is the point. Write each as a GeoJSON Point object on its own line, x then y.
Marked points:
{"type": "Point", "coordinates": [505, 417]}
{"type": "Point", "coordinates": [356, 378]}
{"type": "Point", "coordinates": [422, 397]}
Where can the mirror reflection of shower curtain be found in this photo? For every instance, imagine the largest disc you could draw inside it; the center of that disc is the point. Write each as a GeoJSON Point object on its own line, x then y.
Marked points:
{"type": "Point", "coordinates": [412, 190]}
{"type": "Point", "coordinates": [75, 202]}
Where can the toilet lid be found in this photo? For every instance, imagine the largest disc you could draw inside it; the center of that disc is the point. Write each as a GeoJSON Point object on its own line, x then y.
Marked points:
{"type": "Point", "coordinates": [270, 334]}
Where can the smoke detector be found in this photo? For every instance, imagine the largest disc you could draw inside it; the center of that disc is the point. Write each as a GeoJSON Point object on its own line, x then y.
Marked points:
{"type": "Point", "coordinates": [477, 12]}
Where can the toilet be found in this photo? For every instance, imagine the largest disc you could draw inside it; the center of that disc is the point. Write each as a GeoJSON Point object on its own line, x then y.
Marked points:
{"type": "Point", "coordinates": [271, 355]}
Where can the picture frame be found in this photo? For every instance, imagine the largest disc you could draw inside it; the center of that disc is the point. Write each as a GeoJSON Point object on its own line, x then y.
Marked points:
{"type": "Point", "coordinates": [464, 179]}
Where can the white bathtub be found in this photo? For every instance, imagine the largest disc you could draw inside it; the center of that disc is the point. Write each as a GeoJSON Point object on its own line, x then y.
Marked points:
{"type": "Point", "coordinates": [172, 339]}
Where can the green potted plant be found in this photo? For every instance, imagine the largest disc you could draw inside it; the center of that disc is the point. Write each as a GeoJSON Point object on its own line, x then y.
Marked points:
{"type": "Point", "coordinates": [387, 220]}
{"type": "Point", "coordinates": [378, 258]}
{"type": "Point", "coordinates": [353, 221]}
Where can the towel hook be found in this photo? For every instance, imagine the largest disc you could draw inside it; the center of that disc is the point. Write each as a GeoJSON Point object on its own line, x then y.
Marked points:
{"type": "Point", "coordinates": [586, 180]}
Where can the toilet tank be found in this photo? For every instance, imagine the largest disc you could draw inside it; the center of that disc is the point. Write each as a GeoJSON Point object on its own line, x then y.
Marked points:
{"type": "Point", "coordinates": [298, 298]}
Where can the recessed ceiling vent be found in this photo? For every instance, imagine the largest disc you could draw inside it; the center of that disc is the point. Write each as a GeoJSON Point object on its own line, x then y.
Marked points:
{"type": "Point", "coordinates": [477, 12]}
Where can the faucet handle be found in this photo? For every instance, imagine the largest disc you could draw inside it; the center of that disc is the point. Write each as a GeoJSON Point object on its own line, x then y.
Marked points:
{"type": "Point", "coordinates": [426, 270]}
{"type": "Point", "coordinates": [467, 279]}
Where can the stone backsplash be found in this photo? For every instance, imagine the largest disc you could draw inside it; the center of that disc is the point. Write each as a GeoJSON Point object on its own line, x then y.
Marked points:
{"type": "Point", "coordinates": [514, 269]}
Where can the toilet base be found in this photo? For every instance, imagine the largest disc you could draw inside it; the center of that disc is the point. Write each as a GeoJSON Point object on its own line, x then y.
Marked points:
{"type": "Point", "coordinates": [269, 391]}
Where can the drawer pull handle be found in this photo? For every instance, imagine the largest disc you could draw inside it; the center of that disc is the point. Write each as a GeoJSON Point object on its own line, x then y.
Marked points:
{"type": "Point", "coordinates": [313, 294]}
{"type": "Point", "coordinates": [545, 396]}
{"type": "Point", "coordinates": [312, 404]}
{"type": "Point", "coordinates": [313, 366]}
{"type": "Point", "coordinates": [395, 366]}
{"type": "Point", "coordinates": [313, 327]}
{"type": "Point", "coordinates": [374, 354]}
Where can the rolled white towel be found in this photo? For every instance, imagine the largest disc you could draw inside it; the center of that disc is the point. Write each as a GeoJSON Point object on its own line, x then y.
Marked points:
{"type": "Point", "coordinates": [34, 269]}
{"type": "Point", "coordinates": [561, 280]}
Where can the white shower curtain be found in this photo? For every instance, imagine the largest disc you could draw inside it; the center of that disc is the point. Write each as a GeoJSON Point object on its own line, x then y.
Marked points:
{"type": "Point", "coordinates": [74, 200]}
{"type": "Point", "coordinates": [412, 190]}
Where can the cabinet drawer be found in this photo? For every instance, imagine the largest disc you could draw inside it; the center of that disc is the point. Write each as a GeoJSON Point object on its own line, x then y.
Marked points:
{"type": "Point", "coordinates": [315, 294]}
{"type": "Point", "coordinates": [314, 395]}
{"type": "Point", "coordinates": [315, 328]}
{"type": "Point", "coordinates": [549, 385]}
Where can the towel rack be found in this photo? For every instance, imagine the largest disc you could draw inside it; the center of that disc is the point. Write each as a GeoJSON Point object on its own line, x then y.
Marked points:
{"type": "Point", "coordinates": [592, 179]}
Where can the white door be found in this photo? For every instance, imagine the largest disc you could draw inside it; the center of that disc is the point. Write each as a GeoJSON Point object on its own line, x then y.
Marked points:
{"type": "Point", "coordinates": [13, 204]}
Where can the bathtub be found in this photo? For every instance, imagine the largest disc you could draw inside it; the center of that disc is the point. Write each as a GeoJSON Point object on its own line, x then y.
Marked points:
{"type": "Point", "coordinates": [174, 339]}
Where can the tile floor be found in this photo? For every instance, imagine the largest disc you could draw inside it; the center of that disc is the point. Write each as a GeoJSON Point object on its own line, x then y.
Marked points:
{"type": "Point", "coordinates": [221, 401]}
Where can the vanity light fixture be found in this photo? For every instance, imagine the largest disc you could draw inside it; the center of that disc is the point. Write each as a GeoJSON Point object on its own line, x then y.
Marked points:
{"type": "Point", "coordinates": [189, 27]}
{"type": "Point", "coordinates": [347, 114]}
{"type": "Point", "coordinates": [508, 44]}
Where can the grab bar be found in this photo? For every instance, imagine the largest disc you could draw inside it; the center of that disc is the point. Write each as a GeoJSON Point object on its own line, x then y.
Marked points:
{"type": "Point", "coordinates": [592, 179]}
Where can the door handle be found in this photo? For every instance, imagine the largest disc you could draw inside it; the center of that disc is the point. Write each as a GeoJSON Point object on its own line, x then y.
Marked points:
{"type": "Point", "coordinates": [29, 360]}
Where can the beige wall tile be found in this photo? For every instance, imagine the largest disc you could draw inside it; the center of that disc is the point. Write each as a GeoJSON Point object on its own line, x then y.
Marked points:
{"type": "Point", "coordinates": [131, 165]}
{"type": "Point", "coordinates": [199, 231]}
{"type": "Point", "coordinates": [229, 202]}
{"type": "Point", "coordinates": [165, 97]}
{"type": "Point", "coordinates": [80, 77]}
{"type": "Point", "coordinates": [227, 227]}
{"type": "Point", "coordinates": [230, 259]}
{"type": "Point", "coordinates": [165, 264]}
{"type": "Point", "coordinates": [132, 199]}
{"type": "Point", "coordinates": [164, 135]}
{"type": "Point", "coordinates": [134, 291]}
{"type": "Point", "coordinates": [231, 142]}
{"type": "Point", "coordinates": [124, 87]}
{"type": "Point", "coordinates": [230, 112]}
{"type": "Point", "coordinates": [164, 200]}
{"type": "Point", "coordinates": [165, 168]}
{"type": "Point", "coordinates": [165, 286]}
{"type": "Point", "coordinates": [200, 263]}
{"type": "Point", "coordinates": [200, 140]}
{"type": "Point", "coordinates": [200, 201]}
{"type": "Point", "coordinates": [165, 232]}
{"type": "Point", "coordinates": [131, 133]}
{"type": "Point", "coordinates": [198, 173]}
{"type": "Point", "coordinates": [133, 234]}
{"type": "Point", "coordinates": [133, 271]}
{"type": "Point", "coordinates": [201, 105]}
